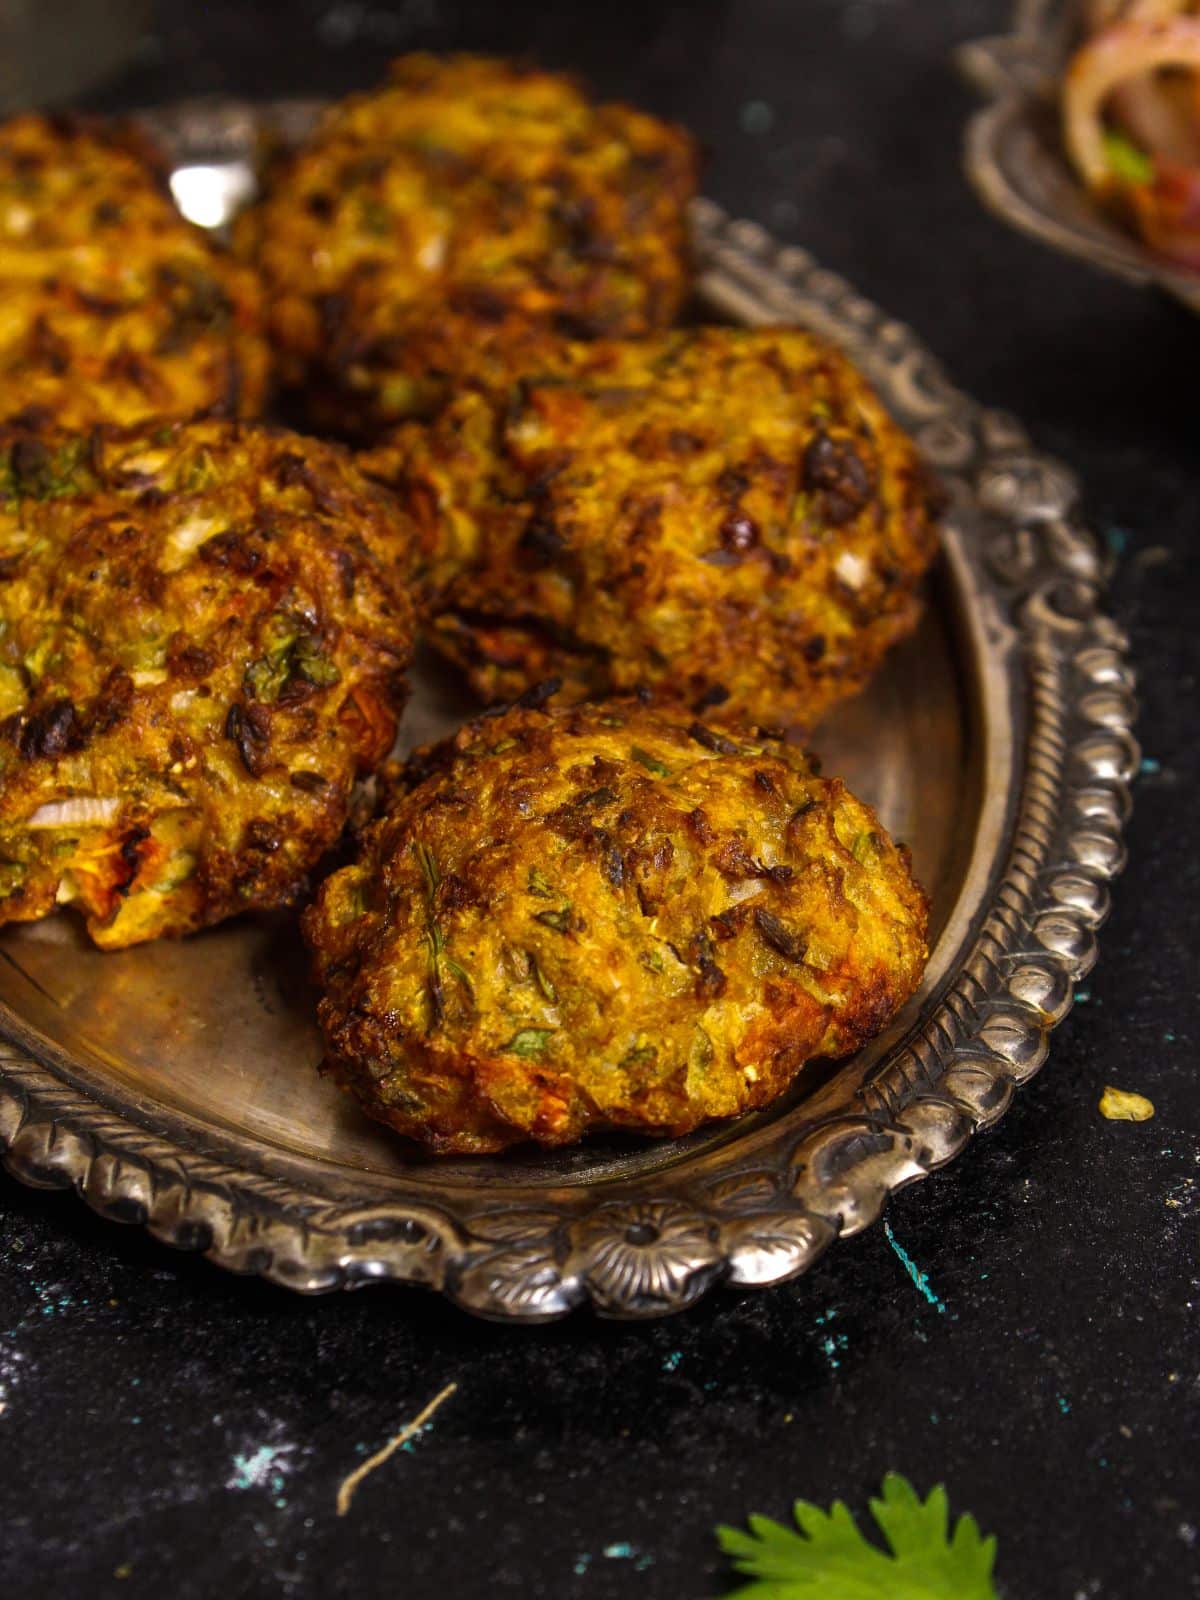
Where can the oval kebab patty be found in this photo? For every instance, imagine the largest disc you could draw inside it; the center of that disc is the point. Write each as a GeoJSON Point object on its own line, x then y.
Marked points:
{"type": "Point", "coordinates": [599, 917]}
{"type": "Point", "coordinates": [113, 309]}
{"type": "Point", "coordinates": [725, 517]}
{"type": "Point", "coordinates": [463, 198]}
{"type": "Point", "coordinates": [202, 646]}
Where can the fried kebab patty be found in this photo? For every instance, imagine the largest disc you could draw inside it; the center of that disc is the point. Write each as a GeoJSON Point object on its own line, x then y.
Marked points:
{"type": "Point", "coordinates": [113, 308]}
{"type": "Point", "coordinates": [464, 196]}
{"type": "Point", "coordinates": [201, 648]}
{"type": "Point", "coordinates": [599, 918]}
{"type": "Point", "coordinates": [727, 517]}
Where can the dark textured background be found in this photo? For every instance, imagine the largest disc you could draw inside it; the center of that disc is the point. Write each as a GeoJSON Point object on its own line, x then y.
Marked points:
{"type": "Point", "coordinates": [170, 1430]}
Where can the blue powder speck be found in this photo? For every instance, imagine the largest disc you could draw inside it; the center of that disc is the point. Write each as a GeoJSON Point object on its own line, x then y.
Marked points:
{"type": "Point", "coordinates": [257, 1470]}
{"type": "Point", "coordinates": [671, 1360]}
{"type": "Point", "coordinates": [1117, 540]}
{"type": "Point", "coordinates": [831, 1344]}
{"type": "Point", "coordinates": [1168, 1037]}
{"type": "Point", "coordinates": [409, 1444]}
{"type": "Point", "coordinates": [1150, 766]}
{"type": "Point", "coordinates": [1082, 996]}
{"type": "Point", "coordinates": [619, 1552]}
{"type": "Point", "coordinates": [582, 1563]}
{"type": "Point", "coordinates": [1064, 1405]}
{"type": "Point", "coordinates": [911, 1267]}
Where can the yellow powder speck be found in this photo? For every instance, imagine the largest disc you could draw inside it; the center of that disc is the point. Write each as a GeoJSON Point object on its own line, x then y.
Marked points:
{"type": "Point", "coordinates": [1119, 1105]}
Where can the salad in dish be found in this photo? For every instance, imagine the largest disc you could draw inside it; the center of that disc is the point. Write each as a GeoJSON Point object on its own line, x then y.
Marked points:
{"type": "Point", "coordinates": [1131, 114]}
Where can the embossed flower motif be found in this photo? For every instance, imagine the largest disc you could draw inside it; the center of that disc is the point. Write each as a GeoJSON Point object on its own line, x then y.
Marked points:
{"type": "Point", "coordinates": [1026, 487]}
{"type": "Point", "coordinates": [640, 1257]}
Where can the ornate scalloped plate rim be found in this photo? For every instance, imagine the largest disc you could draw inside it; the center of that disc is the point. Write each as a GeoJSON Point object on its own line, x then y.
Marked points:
{"type": "Point", "coordinates": [1016, 73]}
{"type": "Point", "coordinates": [1055, 699]}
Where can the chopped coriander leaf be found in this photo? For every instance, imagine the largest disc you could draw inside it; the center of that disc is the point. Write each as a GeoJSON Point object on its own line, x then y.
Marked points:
{"type": "Point", "coordinates": [312, 664]}
{"type": "Point", "coordinates": [651, 763]}
{"type": "Point", "coordinates": [529, 1042]}
{"type": "Point", "coordinates": [701, 1053]}
{"type": "Point", "coordinates": [539, 884]}
{"type": "Point", "coordinates": [640, 1055]}
{"type": "Point", "coordinates": [460, 974]}
{"type": "Point", "coordinates": [542, 981]}
{"type": "Point", "coordinates": [865, 845]}
{"type": "Point", "coordinates": [435, 941]}
{"type": "Point", "coordinates": [37, 471]}
{"type": "Point", "coordinates": [292, 652]}
{"type": "Point", "coordinates": [428, 865]}
{"type": "Point", "coordinates": [559, 920]}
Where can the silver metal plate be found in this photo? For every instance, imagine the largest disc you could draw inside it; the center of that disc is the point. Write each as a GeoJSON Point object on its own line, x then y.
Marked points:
{"type": "Point", "coordinates": [1015, 159]}
{"type": "Point", "coordinates": [174, 1084]}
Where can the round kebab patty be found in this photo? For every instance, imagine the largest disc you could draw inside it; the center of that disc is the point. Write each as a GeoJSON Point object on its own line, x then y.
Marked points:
{"type": "Point", "coordinates": [201, 648]}
{"type": "Point", "coordinates": [463, 197]}
{"type": "Point", "coordinates": [600, 917]}
{"type": "Point", "coordinates": [727, 517]}
{"type": "Point", "coordinates": [113, 308]}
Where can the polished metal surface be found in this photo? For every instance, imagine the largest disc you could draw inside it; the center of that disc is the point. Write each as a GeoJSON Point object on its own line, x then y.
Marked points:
{"type": "Point", "coordinates": [1015, 159]}
{"type": "Point", "coordinates": [174, 1084]}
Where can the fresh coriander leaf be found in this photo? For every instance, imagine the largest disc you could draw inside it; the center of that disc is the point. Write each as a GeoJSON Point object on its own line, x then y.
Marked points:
{"type": "Point", "coordinates": [829, 1559]}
